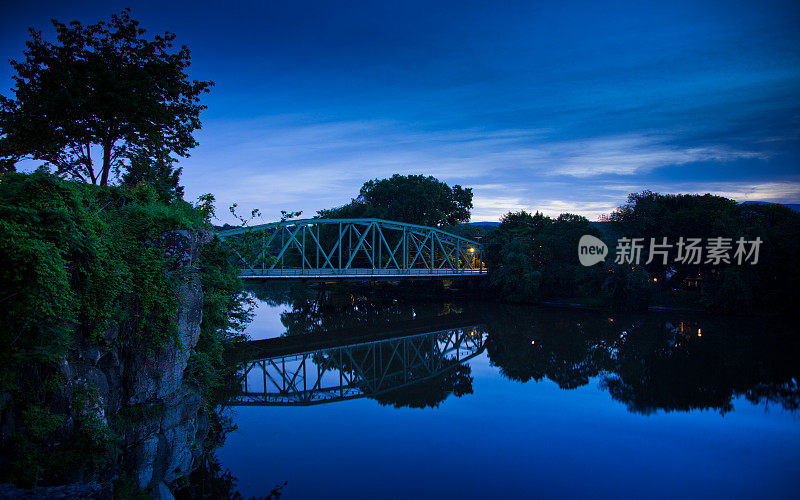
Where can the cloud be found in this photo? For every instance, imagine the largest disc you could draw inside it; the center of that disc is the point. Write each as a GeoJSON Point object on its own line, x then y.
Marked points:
{"type": "Point", "coordinates": [593, 203]}
{"type": "Point", "coordinates": [291, 163]}
{"type": "Point", "coordinates": [632, 154]}
{"type": "Point", "coordinates": [776, 192]}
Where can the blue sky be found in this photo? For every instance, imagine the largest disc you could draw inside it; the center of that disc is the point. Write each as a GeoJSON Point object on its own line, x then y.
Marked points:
{"type": "Point", "coordinates": [559, 106]}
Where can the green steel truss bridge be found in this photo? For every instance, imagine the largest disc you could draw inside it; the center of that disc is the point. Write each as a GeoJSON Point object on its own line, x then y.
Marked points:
{"type": "Point", "coordinates": [353, 249]}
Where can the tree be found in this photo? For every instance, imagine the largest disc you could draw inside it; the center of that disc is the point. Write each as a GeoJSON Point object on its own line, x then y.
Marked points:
{"type": "Point", "coordinates": [771, 284]}
{"type": "Point", "coordinates": [531, 256]}
{"type": "Point", "coordinates": [414, 198]}
{"type": "Point", "coordinates": [153, 164]}
{"type": "Point", "coordinates": [651, 215]}
{"type": "Point", "coordinates": [102, 89]}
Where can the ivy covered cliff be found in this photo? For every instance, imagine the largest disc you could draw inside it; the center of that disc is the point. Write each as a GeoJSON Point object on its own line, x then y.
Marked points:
{"type": "Point", "coordinates": [115, 308]}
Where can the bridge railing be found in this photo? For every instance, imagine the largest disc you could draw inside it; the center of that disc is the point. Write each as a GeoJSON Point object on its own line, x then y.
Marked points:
{"type": "Point", "coordinates": [352, 247]}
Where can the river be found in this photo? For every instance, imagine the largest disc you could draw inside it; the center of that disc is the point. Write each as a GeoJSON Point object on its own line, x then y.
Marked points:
{"type": "Point", "coordinates": [441, 398]}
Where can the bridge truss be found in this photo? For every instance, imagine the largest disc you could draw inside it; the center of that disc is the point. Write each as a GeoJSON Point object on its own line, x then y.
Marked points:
{"type": "Point", "coordinates": [351, 248]}
{"type": "Point", "coordinates": [355, 371]}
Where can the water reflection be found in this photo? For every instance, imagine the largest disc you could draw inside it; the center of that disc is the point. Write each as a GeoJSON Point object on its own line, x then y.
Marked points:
{"type": "Point", "coordinates": [653, 362]}
{"type": "Point", "coordinates": [564, 401]}
{"type": "Point", "coordinates": [413, 370]}
{"type": "Point", "coordinates": [669, 362]}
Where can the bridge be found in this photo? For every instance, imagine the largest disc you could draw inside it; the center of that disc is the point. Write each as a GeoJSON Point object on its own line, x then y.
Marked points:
{"type": "Point", "coordinates": [352, 249]}
{"type": "Point", "coordinates": [352, 369]}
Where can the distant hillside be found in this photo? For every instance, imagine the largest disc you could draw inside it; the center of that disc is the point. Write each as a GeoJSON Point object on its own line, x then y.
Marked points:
{"type": "Point", "coordinates": [793, 206]}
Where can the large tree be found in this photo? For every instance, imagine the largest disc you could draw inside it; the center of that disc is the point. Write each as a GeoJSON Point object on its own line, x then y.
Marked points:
{"type": "Point", "coordinates": [84, 103]}
{"type": "Point", "coordinates": [416, 199]}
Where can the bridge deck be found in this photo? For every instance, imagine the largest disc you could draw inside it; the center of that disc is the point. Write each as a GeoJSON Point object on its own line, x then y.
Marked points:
{"type": "Point", "coordinates": [296, 273]}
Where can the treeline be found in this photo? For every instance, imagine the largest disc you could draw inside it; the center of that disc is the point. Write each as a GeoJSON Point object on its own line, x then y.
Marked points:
{"type": "Point", "coordinates": [415, 199]}
{"type": "Point", "coordinates": [532, 257]}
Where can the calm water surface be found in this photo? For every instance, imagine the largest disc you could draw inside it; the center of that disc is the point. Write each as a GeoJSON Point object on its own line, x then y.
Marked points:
{"type": "Point", "coordinates": [500, 401]}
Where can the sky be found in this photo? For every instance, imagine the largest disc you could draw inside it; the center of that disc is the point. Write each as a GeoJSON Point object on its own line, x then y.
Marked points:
{"type": "Point", "coordinates": [553, 106]}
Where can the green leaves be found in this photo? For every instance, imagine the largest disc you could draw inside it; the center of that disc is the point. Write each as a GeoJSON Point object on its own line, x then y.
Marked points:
{"type": "Point", "coordinates": [531, 256]}
{"type": "Point", "coordinates": [78, 258]}
{"type": "Point", "coordinates": [86, 264]}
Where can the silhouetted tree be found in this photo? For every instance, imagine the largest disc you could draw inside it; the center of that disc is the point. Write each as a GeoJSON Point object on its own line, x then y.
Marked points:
{"type": "Point", "coordinates": [531, 256]}
{"type": "Point", "coordinates": [153, 164]}
{"type": "Point", "coordinates": [100, 90]}
{"type": "Point", "coordinates": [414, 198]}
{"type": "Point", "coordinates": [729, 287]}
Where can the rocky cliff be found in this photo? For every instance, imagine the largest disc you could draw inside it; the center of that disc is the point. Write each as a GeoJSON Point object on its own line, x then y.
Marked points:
{"type": "Point", "coordinates": [159, 419]}
{"type": "Point", "coordinates": [162, 445]}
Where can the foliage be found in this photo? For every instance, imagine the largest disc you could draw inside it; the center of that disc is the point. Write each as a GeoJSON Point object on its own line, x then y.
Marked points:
{"type": "Point", "coordinates": [769, 285]}
{"type": "Point", "coordinates": [80, 259]}
{"type": "Point", "coordinates": [101, 89]}
{"type": "Point", "coordinates": [651, 215]}
{"type": "Point", "coordinates": [84, 264]}
{"type": "Point", "coordinates": [628, 289]}
{"type": "Point", "coordinates": [45, 452]}
{"type": "Point", "coordinates": [415, 199]}
{"type": "Point", "coordinates": [152, 164]}
{"type": "Point", "coordinates": [226, 311]}
{"type": "Point", "coordinates": [472, 231]}
{"type": "Point", "coordinates": [517, 278]}
{"type": "Point", "coordinates": [531, 256]}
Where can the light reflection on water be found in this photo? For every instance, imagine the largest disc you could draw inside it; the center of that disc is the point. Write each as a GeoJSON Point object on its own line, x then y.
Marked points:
{"type": "Point", "coordinates": [560, 403]}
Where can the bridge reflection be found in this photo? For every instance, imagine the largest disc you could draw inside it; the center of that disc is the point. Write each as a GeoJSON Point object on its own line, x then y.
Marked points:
{"type": "Point", "coordinates": [356, 369]}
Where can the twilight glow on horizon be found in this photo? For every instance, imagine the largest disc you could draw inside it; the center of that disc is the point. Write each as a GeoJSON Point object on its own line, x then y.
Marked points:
{"type": "Point", "coordinates": [556, 107]}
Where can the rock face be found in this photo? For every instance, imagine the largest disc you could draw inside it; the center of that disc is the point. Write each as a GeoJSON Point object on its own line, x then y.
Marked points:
{"type": "Point", "coordinates": [170, 423]}
{"type": "Point", "coordinates": [162, 446]}
{"type": "Point", "coordinates": [159, 374]}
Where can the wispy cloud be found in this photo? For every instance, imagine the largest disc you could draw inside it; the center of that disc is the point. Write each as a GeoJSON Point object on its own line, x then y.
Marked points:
{"type": "Point", "coordinates": [632, 154]}
{"type": "Point", "coordinates": [290, 162]}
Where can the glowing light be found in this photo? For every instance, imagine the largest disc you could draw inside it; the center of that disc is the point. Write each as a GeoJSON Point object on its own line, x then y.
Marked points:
{"type": "Point", "coordinates": [471, 250]}
{"type": "Point", "coordinates": [533, 342]}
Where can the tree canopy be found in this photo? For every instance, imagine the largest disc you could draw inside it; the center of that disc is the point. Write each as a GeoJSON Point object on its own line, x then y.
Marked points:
{"type": "Point", "coordinates": [414, 199]}
{"type": "Point", "coordinates": [84, 104]}
{"type": "Point", "coordinates": [531, 256]}
{"type": "Point", "coordinates": [768, 285]}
